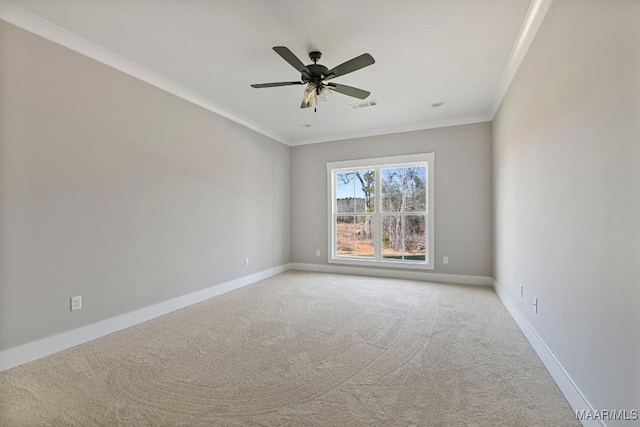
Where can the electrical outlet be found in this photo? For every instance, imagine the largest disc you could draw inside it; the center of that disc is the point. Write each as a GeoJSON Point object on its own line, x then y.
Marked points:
{"type": "Point", "coordinates": [76, 303]}
{"type": "Point", "coordinates": [535, 305]}
{"type": "Point", "coordinates": [445, 260]}
{"type": "Point", "coordinates": [521, 290]}
{"type": "Point", "coordinates": [317, 252]}
{"type": "Point", "coordinates": [246, 262]}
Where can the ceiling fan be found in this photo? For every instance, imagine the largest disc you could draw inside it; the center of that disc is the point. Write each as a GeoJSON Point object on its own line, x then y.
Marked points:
{"type": "Point", "coordinates": [315, 76]}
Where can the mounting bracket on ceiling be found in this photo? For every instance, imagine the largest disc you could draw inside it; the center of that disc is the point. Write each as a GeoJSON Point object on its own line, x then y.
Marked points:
{"type": "Point", "coordinates": [315, 56]}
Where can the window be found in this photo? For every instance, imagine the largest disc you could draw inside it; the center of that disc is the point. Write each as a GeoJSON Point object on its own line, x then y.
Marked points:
{"type": "Point", "coordinates": [381, 211]}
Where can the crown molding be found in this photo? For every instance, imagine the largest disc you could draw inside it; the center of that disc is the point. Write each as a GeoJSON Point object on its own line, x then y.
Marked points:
{"type": "Point", "coordinates": [395, 129]}
{"type": "Point", "coordinates": [45, 29]}
{"type": "Point", "coordinates": [532, 22]}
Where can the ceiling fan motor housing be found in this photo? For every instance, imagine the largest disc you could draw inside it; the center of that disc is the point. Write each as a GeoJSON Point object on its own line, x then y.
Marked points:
{"type": "Point", "coordinates": [317, 73]}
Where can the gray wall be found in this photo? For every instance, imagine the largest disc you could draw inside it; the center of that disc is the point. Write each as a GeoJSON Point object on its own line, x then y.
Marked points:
{"type": "Point", "coordinates": [463, 204]}
{"type": "Point", "coordinates": [117, 191]}
{"type": "Point", "coordinates": [567, 194]}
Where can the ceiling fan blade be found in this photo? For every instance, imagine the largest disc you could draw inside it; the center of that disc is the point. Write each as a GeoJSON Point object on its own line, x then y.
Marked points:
{"type": "Point", "coordinates": [261, 85]}
{"type": "Point", "coordinates": [288, 56]}
{"type": "Point", "coordinates": [350, 66]}
{"type": "Point", "coordinates": [348, 90]}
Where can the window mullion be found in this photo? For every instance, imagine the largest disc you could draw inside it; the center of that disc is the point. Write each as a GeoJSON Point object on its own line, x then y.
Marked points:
{"type": "Point", "coordinates": [403, 220]}
{"type": "Point", "coordinates": [377, 242]}
{"type": "Point", "coordinates": [354, 244]}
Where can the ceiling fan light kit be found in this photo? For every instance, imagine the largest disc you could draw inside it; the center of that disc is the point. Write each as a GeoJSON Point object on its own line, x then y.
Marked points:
{"type": "Point", "coordinates": [324, 95]}
{"type": "Point", "coordinates": [309, 96]}
{"type": "Point", "coordinates": [315, 76]}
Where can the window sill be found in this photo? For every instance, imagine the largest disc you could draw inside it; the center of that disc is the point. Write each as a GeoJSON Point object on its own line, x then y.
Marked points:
{"type": "Point", "coordinates": [379, 263]}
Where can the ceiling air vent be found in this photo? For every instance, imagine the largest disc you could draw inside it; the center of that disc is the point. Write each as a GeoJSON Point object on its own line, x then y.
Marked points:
{"type": "Point", "coordinates": [364, 104]}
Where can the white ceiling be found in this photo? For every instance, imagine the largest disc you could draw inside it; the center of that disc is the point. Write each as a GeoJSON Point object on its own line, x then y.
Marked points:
{"type": "Point", "coordinates": [426, 51]}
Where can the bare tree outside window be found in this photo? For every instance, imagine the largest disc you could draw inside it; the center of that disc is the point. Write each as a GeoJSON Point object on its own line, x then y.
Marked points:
{"type": "Point", "coordinates": [404, 190]}
{"type": "Point", "coordinates": [356, 195]}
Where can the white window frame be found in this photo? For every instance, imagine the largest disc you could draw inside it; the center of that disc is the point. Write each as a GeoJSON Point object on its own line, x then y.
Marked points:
{"type": "Point", "coordinates": [377, 164]}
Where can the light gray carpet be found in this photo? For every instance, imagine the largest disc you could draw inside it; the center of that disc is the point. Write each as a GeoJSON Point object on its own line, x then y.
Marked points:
{"type": "Point", "coordinates": [301, 349]}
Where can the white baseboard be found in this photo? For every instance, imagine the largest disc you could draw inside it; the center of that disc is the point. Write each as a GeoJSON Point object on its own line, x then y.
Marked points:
{"type": "Point", "coordinates": [395, 274]}
{"type": "Point", "coordinates": [568, 387]}
{"type": "Point", "coordinates": [64, 340]}
{"type": "Point", "coordinates": [46, 346]}
{"type": "Point", "coordinates": [37, 349]}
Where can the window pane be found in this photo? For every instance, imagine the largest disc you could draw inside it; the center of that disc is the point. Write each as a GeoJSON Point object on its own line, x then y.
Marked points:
{"type": "Point", "coordinates": [345, 201]}
{"type": "Point", "coordinates": [392, 244]}
{"type": "Point", "coordinates": [364, 236]}
{"type": "Point", "coordinates": [345, 227]}
{"type": "Point", "coordinates": [416, 178]}
{"type": "Point", "coordinates": [365, 190]}
{"type": "Point", "coordinates": [403, 189]}
{"type": "Point", "coordinates": [414, 237]}
{"type": "Point", "coordinates": [391, 192]}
